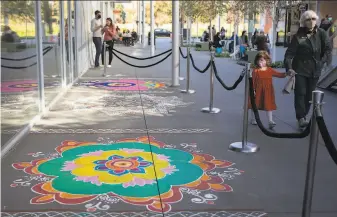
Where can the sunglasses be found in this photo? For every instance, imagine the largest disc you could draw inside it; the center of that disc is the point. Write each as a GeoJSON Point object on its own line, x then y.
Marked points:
{"type": "Point", "coordinates": [309, 19]}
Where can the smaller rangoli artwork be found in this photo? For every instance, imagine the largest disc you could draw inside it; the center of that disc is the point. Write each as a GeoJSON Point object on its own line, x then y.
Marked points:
{"type": "Point", "coordinates": [124, 84]}
{"type": "Point", "coordinates": [100, 175]}
{"type": "Point", "coordinates": [24, 85]}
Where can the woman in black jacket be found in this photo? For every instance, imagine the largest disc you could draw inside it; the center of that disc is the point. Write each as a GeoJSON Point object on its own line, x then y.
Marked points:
{"type": "Point", "coordinates": [305, 56]}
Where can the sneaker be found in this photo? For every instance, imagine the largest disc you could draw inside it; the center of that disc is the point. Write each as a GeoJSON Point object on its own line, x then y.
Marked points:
{"type": "Point", "coordinates": [272, 124]}
{"type": "Point", "coordinates": [302, 123]}
{"type": "Point", "coordinates": [253, 122]}
{"type": "Point", "coordinates": [109, 66]}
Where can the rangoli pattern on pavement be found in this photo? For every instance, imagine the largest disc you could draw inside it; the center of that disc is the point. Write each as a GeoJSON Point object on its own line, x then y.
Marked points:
{"type": "Point", "coordinates": [24, 85]}
{"type": "Point", "coordinates": [136, 214]}
{"type": "Point", "coordinates": [124, 84]}
{"type": "Point", "coordinates": [101, 174]}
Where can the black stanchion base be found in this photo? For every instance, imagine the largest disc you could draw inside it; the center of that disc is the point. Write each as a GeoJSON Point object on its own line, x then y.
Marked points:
{"type": "Point", "coordinates": [248, 148]}
{"type": "Point", "coordinates": [187, 91]}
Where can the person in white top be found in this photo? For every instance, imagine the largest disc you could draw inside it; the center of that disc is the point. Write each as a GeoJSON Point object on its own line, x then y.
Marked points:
{"type": "Point", "coordinates": [96, 26]}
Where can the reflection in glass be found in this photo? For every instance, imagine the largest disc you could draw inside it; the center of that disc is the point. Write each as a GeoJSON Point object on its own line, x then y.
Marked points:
{"type": "Point", "coordinates": [52, 59]}
{"type": "Point", "coordinates": [19, 80]}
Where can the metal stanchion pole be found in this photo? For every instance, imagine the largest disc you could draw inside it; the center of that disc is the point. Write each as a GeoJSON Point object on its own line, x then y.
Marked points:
{"type": "Point", "coordinates": [211, 109]}
{"type": "Point", "coordinates": [188, 90]}
{"type": "Point", "coordinates": [180, 77]}
{"type": "Point", "coordinates": [58, 62]}
{"type": "Point", "coordinates": [317, 98]}
{"type": "Point", "coordinates": [245, 146]}
{"type": "Point", "coordinates": [104, 53]}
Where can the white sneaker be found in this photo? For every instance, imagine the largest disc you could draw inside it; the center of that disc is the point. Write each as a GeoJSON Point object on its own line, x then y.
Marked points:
{"type": "Point", "coordinates": [253, 122]}
{"type": "Point", "coordinates": [109, 66]}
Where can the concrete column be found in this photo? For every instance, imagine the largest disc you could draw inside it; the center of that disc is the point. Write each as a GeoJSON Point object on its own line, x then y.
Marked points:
{"type": "Point", "coordinates": [219, 22]}
{"type": "Point", "coordinates": [175, 43]}
{"type": "Point", "coordinates": [143, 26]}
{"type": "Point", "coordinates": [63, 47]}
{"type": "Point", "coordinates": [152, 27]}
{"type": "Point", "coordinates": [70, 42]}
{"type": "Point", "coordinates": [39, 52]}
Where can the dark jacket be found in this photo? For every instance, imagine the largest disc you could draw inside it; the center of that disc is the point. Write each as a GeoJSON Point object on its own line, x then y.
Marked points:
{"type": "Point", "coordinates": [306, 56]}
{"type": "Point", "coordinates": [261, 43]}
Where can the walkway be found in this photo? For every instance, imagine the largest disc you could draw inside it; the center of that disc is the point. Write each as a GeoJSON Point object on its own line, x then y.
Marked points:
{"type": "Point", "coordinates": [136, 128]}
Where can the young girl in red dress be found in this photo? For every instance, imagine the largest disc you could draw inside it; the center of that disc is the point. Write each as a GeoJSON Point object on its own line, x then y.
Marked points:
{"type": "Point", "coordinates": [263, 85]}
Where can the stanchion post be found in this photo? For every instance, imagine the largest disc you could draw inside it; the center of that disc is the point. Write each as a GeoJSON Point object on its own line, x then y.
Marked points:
{"type": "Point", "coordinates": [58, 62]}
{"type": "Point", "coordinates": [245, 146]}
{"type": "Point", "coordinates": [104, 53]}
{"type": "Point", "coordinates": [188, 90]}
{"type": "Point", "coordinates": [180, 77]}
{"type": "Point", "coordinates": [317, 101]}
{"type": "Point", "coordinates": [104, 50]}
{"type": "Point", "coordinates": [211, 109]}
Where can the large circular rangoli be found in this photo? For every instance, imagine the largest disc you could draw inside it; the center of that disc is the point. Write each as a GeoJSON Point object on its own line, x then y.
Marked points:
{"type": "Point", "coordinates": [124, 84]}
{"type": "Point", "coordinates": [131, 170]}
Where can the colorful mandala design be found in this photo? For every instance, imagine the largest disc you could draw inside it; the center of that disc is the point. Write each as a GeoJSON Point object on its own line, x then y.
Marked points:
{"type": "Point", "coordinates": [127, 170]}
{"type": "Point", "coordinates": [24, 85]}
{"type": "Point", "coordinates": [122, 84]}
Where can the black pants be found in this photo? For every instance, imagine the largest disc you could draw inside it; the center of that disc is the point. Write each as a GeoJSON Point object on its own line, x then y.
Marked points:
{"type": "Point", "coordinates": [303, 94]}
{"type": "Point", "coordinates": [111, 46]}
{"type": "Point", "coordinates": [98, 45]}
{"type": "Point", "coordinates": [67, 49]}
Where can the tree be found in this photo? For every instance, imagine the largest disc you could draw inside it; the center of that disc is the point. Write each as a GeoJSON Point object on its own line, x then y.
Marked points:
{"type": "Point", "coordinates": [18, 10]}
{"type": "Point", "coordinates": [47, 15]}
{"type": "Point", "coordinates": [162, 12]}
{"type": "Point", "coordinates": [122, 14]}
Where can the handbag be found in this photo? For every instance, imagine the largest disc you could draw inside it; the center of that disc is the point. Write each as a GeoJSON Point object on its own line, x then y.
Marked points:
{"type": "Point", "coordinates": [290, 86]}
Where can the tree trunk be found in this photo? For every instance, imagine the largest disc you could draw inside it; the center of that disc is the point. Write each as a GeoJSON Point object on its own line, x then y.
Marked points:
{"type": "Point", "coordinates": [47, 16]}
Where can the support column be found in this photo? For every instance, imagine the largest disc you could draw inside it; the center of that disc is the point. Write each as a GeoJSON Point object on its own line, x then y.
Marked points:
{"type": "Point", "coordinates": [219, 22]}
{"type": "Point", "coordinates": [143, 25]}
{"type": "Point", "coordinates": [175, 43]}
{"type": "Point", "coordinates": [70, 43]}
{"type": "Point", "coordinates": [63, 47]}
{"type": "Point", "coordinates": [139, 21]}
{"type": "Point", "coordinates": [75, 36]}
{"type": "Point", "coordinates": [152, 27]}
{"type": "Point", "coordinates": [39, 52]}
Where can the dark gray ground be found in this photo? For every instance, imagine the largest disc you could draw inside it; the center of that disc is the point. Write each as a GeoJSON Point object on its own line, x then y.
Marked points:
{"type": "Point", "coordinates": [267, 183]}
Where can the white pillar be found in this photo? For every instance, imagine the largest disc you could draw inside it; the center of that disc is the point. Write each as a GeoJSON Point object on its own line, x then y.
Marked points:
{"type": "Point", "coordinates": [143, 26]}
{"type": "Point", "coordinates": [219, 22]}
{"type": "Point", "coordinates": [70, 41]}
{"type": "Point", "coordinates": [189, 31]}
{"type": "Point", "coordinates": [39, 52]}
{"type": "Point", "coordinates": [63, 47]}
{"type": "Point", "coordinates": [175, 43]}
{"type": "Point", "coordinates": [139, 21]}
{"type": "Point", "coordinates": [273, 39]}
{"type": "Point", "coordinates": [75, 36]}
{"type": "Point", "coordinates": [152, 27]}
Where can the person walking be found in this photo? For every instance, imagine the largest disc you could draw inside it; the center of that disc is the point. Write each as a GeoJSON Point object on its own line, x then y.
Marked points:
{"type": "Point", "coordinates": [305, 56]}
{"type": "Point", "coordinates": [96, 27]}
{"type": "Point", "coordinates": [109, 32]}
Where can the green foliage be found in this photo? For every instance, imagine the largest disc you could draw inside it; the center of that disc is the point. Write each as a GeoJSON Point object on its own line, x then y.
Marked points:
{"type": "Point", "coordinates": [122, 14]}
{"type": "Point", "coordinates": [18, 10]}
{"type": "Point", "coordinates": [204, 11]}
{"type": "Point", "coordinates": [222, 55]}
{"type": "Point", "coordinates": [162, 12]}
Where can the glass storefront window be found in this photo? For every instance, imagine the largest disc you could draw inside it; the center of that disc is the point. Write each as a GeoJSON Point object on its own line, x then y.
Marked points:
{"type": "Point", "coordinates": [19, 76]}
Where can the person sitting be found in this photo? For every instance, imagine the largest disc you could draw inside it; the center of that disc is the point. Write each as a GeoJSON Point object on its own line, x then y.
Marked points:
{"type": "Point", "coordinates": [9, 36]}
{"type": "Point", "coordinates": [134, 37]}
